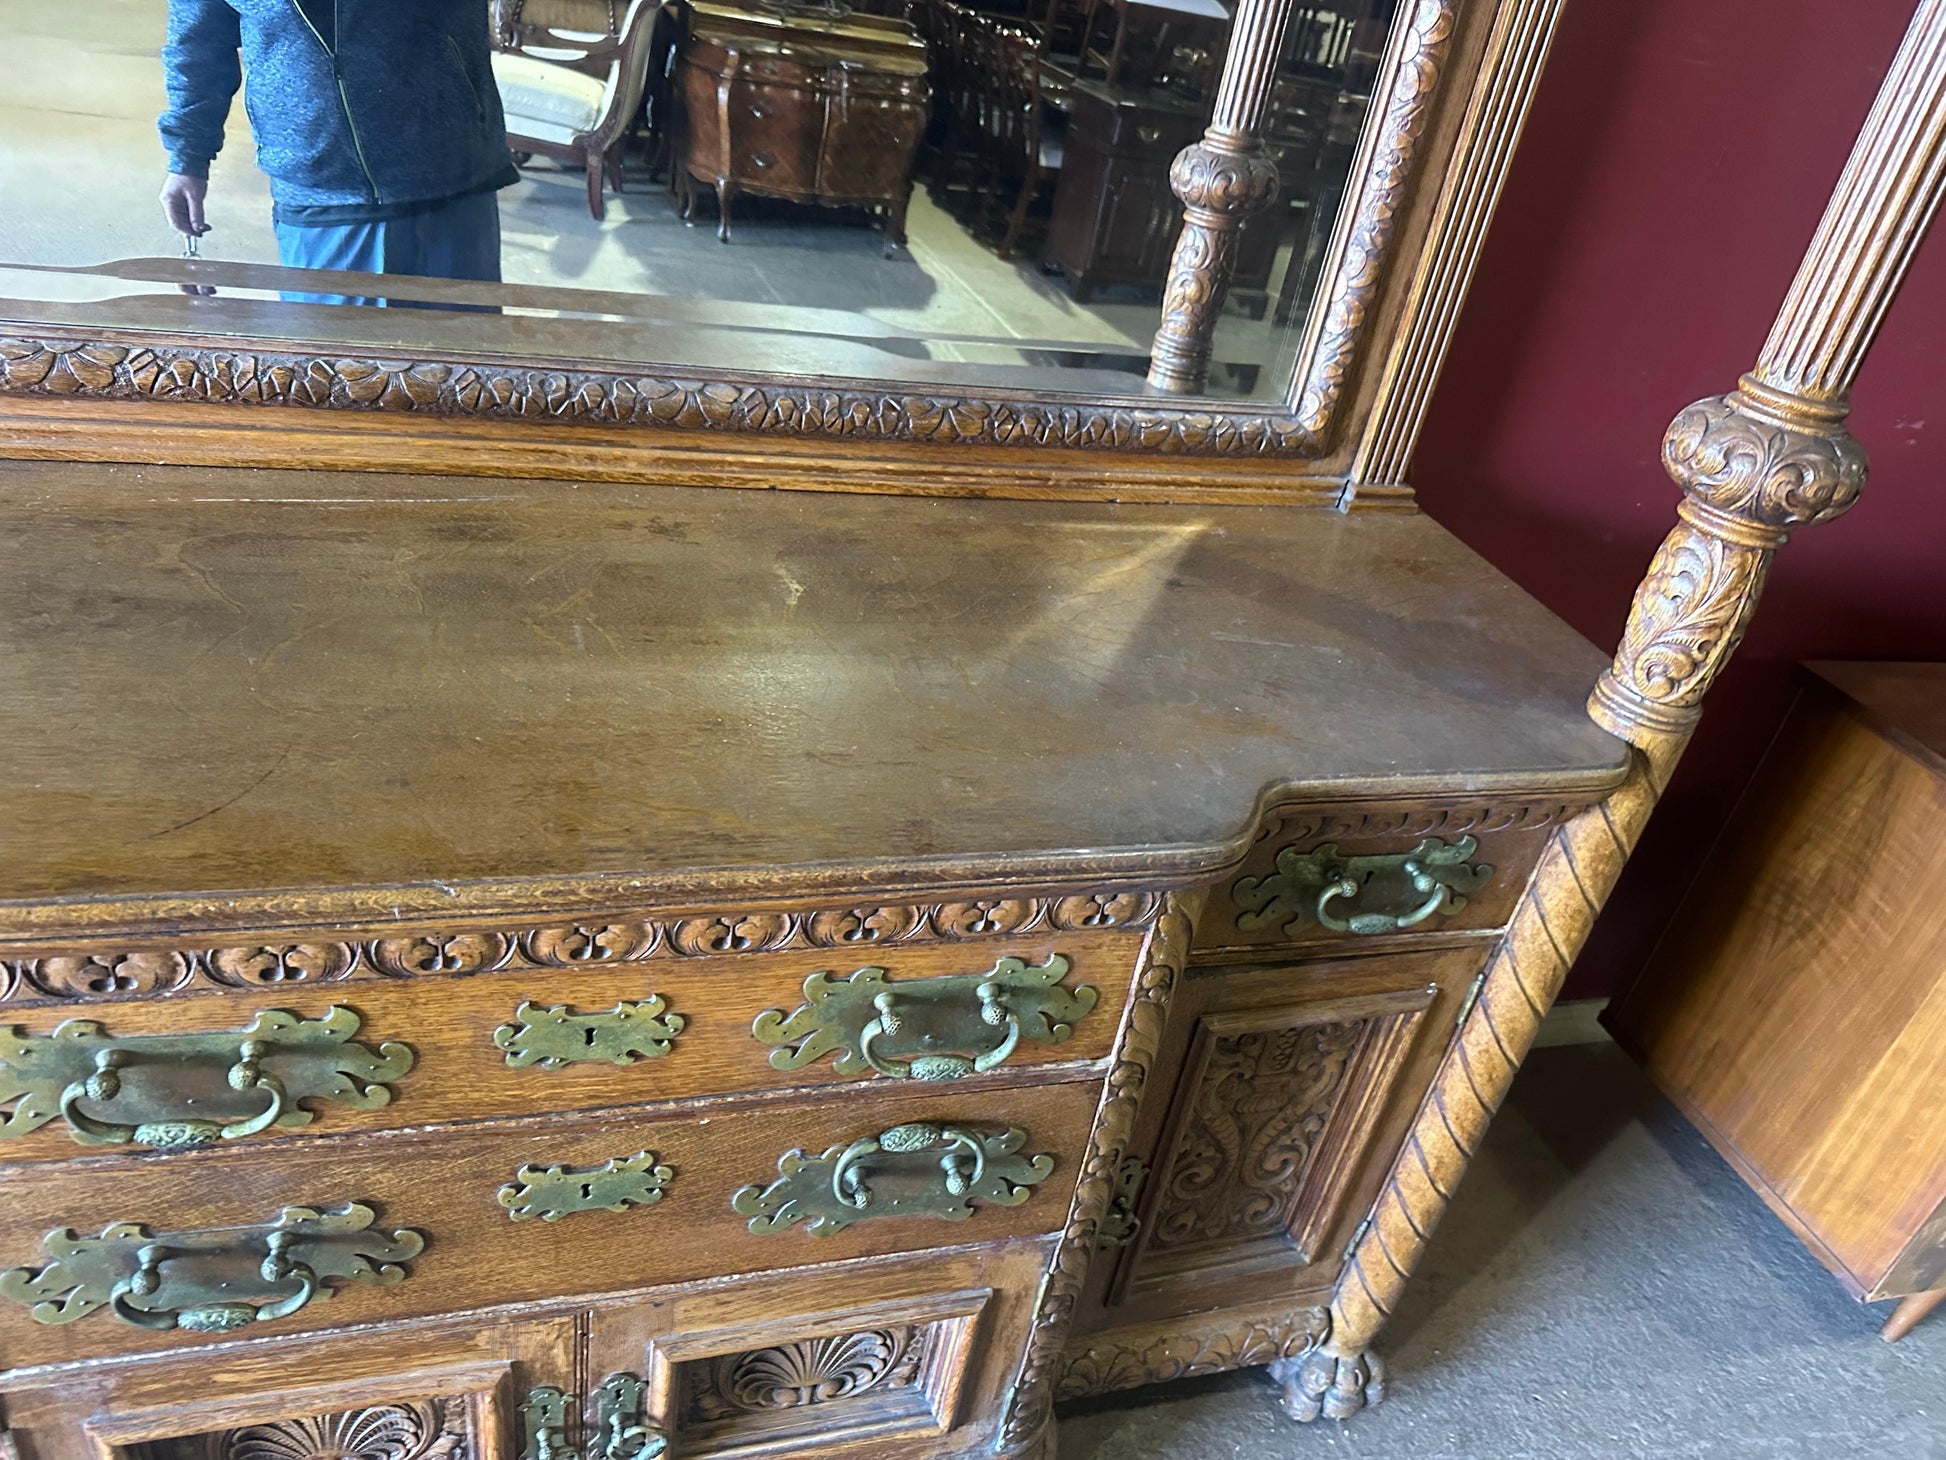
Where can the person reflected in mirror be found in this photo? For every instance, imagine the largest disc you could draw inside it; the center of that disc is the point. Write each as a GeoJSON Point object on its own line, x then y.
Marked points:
{"type": "Point", "coordinates": [377, 122]}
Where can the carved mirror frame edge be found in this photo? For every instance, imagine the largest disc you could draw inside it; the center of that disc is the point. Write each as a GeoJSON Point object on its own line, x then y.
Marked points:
{"type": "Point", "coordinates": [1425, 179]}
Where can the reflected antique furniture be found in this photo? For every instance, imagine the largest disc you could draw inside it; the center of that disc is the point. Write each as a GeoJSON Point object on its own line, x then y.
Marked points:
{"type": "Point", "coordinates": [1793, 1010]}
{"type": "Point", "coordinates": [575, 96]}
{"type": "Point", "coordinates": [560, 902]}
{"type": "Point", "coordinates": [1115, 219]}
{"type": "Point", "coordinates": [1116, 215]}
{"type": "Point", "coordinates": [813, 104]}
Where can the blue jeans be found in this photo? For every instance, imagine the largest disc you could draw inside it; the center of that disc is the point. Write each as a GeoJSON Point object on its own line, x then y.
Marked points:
{"type": "Point", "coordinates": [457, 240]}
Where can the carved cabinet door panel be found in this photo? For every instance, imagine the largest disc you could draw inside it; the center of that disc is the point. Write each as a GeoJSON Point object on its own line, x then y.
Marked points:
{"type": "Point", "coordinates": [1294, 1088]}
{"type": "Point", "coordinates": [443, 1392]}
{"type": "Point", "coordinates": [904, 1360]}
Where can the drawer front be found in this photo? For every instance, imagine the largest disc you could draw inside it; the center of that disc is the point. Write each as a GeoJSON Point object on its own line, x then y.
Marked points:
{"type": "Point", "coordinates": [119, 1257]}
{"type": "Point", "coordinates": [869, 146]}
{"type": "Point", "coordinates": [605, 1028]}
{"type": "Point", "coordinates": [1350, 875]}
{"type": "Point", "coordinates": [775, 128]}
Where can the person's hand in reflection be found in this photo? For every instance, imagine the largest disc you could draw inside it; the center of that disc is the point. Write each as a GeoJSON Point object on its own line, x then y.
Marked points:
{"type": "Point", "coordinates": [182, 203]}
{"type": "Point", "coordinates": [183, 198]}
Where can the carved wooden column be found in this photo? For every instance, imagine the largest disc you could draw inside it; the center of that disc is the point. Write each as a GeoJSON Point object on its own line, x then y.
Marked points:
{"type": "Point", "coordinates": [1222, 180]}
{"type": "Point", "coordinates": [1771, 456]}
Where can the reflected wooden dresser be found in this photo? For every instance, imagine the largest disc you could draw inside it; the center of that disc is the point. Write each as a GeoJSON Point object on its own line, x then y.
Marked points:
{"type": "Point", "coordinates": [799, 105]}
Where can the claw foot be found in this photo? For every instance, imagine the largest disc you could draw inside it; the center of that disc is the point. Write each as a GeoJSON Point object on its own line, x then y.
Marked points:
{"type": "Point", "coordinates": [1329, 1386]}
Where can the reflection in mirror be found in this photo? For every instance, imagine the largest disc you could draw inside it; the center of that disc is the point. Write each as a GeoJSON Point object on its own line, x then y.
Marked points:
{"type": "Point", "coordinates": [944, 191]}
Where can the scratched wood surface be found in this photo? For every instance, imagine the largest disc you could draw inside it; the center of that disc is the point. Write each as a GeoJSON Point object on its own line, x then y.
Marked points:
{"type": "Point", "coordinates": [232, 679]}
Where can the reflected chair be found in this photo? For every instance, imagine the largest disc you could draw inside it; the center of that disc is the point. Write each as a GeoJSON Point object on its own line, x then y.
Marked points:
{"type": "Point", "coordinates": [1025, 135]}
{"type": "Point", "coordinates": [574, 95]}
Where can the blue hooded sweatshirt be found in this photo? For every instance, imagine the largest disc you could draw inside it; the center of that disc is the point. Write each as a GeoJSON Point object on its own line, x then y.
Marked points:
{"type": "Point", "coordinates": [362, 109]}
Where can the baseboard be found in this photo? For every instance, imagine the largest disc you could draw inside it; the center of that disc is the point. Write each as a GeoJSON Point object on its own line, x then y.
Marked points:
{"type": "Point", "coordinates": [1578, 1021]}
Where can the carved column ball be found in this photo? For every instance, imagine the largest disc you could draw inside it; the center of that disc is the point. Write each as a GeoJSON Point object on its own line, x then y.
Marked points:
{"type": "Point", "coordinates": [1221, 183]}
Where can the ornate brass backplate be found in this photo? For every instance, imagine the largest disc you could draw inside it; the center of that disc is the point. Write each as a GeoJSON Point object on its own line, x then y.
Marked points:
{"type": "Point", "coordinates": [1375, 894]}
{"type": "Point", "coordinates": [554, 1192]}
{"type": "Point", "coordinates": [210, 1280]}
{"type": "Point", "coordinates": [622, 1431]}
{"type": "Point", "coordinates": [113, 1090]}
{"type": "Point", "coordinates": [544, 1424]}
{"type": "Point", "coordinates": [555, 1036]}
{"type": "Point", "coordinates": [913, 1170]}
{"type": "Point", "coordinates": [925, 1028]}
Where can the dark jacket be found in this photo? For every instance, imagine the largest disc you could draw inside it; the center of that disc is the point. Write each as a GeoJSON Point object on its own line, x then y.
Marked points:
{"type": "Point", "coordinates": [355, 102]}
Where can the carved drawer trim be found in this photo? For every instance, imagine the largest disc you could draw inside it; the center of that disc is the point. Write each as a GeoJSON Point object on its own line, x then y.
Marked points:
{"type": "Point", "coordinates": [887, 1371]}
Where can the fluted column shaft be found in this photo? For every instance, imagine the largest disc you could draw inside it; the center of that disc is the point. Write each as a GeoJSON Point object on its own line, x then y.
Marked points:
{"type": "Point", "coordinates": [1771, 456]}
{"type": "Point", "coordinates": [1222, 180]}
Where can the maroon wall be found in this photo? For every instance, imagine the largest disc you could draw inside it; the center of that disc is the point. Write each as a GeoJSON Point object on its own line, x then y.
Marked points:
{"type": "Point", "coordinates": [1677, 159]}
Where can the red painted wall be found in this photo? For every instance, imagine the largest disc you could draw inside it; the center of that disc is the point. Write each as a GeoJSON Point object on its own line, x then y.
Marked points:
{"type": "Point", "coordinates": [1677, 159]}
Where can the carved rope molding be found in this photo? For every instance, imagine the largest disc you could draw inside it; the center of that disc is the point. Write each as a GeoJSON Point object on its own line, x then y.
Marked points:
{"type": "Point", "coordinates": [1031, 1402]}
{"type": "Point", "coordinates": [1771, 456]}
{"type": "Point", "coordinates": [242, 962]}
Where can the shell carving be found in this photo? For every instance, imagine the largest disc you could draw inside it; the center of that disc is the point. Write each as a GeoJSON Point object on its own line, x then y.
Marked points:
{"type": "Point", "coordinates": [418, 1431]}
{"type": "Point", "coordinates": [817, 1370]}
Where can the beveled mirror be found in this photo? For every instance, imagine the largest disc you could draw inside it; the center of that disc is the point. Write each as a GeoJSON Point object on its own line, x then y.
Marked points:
{"type": "Point", "coordinates": [1130, 224]}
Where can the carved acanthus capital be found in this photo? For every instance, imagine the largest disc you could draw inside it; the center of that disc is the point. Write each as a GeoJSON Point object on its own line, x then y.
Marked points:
{"type": "Point", "coordinates": [1689, 615]}
{"type": "Point", "coordinates": [1756, 464]}
{"type": "Point", "coordinates": [1229, 182]}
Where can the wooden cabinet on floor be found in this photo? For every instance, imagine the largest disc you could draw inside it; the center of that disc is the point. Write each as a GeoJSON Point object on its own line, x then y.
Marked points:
{"type": "Point", "coordinates": [1797, 1011]}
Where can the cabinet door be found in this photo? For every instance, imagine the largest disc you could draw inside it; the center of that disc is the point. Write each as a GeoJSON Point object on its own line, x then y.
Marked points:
{"type": "Point", "coordinates": [439, 1392]}
{"type": "Point", "coordinates": [903, 1360]}
{"type": "Point", "coordinates": [1295, 1085]}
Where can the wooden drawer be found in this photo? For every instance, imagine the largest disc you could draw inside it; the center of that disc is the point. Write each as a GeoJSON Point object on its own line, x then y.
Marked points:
{"type": "Point", "coordinates": [495, 1225]}
{"type": "Point", "coordinates": [1471, 864]}
{"type": "Point", "coordinates": [431, 1041]}
{"type": "Point", "coordinates": [915, 1355]}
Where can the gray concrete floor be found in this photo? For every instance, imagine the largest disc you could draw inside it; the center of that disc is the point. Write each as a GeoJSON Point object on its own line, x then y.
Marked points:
{"type": "Point", "coordinates": [1604, 1286]}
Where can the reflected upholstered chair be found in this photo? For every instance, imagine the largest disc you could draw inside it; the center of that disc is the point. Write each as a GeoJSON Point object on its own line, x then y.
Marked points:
{"type": "Point", "coordinates": [573, 94]}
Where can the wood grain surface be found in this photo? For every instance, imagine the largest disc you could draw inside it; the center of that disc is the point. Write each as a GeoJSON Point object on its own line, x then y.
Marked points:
{"type": "Point", "coordinates": [229, 680]}
{"type": "Point", "coordinates": [1797, 1010]}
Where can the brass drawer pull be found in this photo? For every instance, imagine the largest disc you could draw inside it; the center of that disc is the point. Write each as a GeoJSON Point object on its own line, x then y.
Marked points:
{"type": "Point", "coordinates": [554, 1192]}
{"type": "Point", "coordinates": [913, 1170]}
{"type": "Point", "coordinates": [555, 1037]}
{"type": "Point", "coordinates": [1397, 890]}
{"type": "Point", "coordinates": [925, 1028]}
{"type": "Point", "coordinates": [105, 1084]}
{"type": "Point", "coordinates": [191, 1279]}
{"type": "Point", "coordinates": [152, 1078]}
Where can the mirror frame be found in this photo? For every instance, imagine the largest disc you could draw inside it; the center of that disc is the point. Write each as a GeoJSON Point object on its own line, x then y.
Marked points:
{"type": "Point", "coordinates": [1451, 96]}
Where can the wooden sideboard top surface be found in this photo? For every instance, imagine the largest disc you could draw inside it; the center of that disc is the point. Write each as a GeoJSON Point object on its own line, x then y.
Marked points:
{"type": "Point", "coordinates": [232, 680]}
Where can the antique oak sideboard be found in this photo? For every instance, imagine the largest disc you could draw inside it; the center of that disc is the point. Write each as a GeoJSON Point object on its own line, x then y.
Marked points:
{"type": "Point", "coordinates": [516, 941]}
